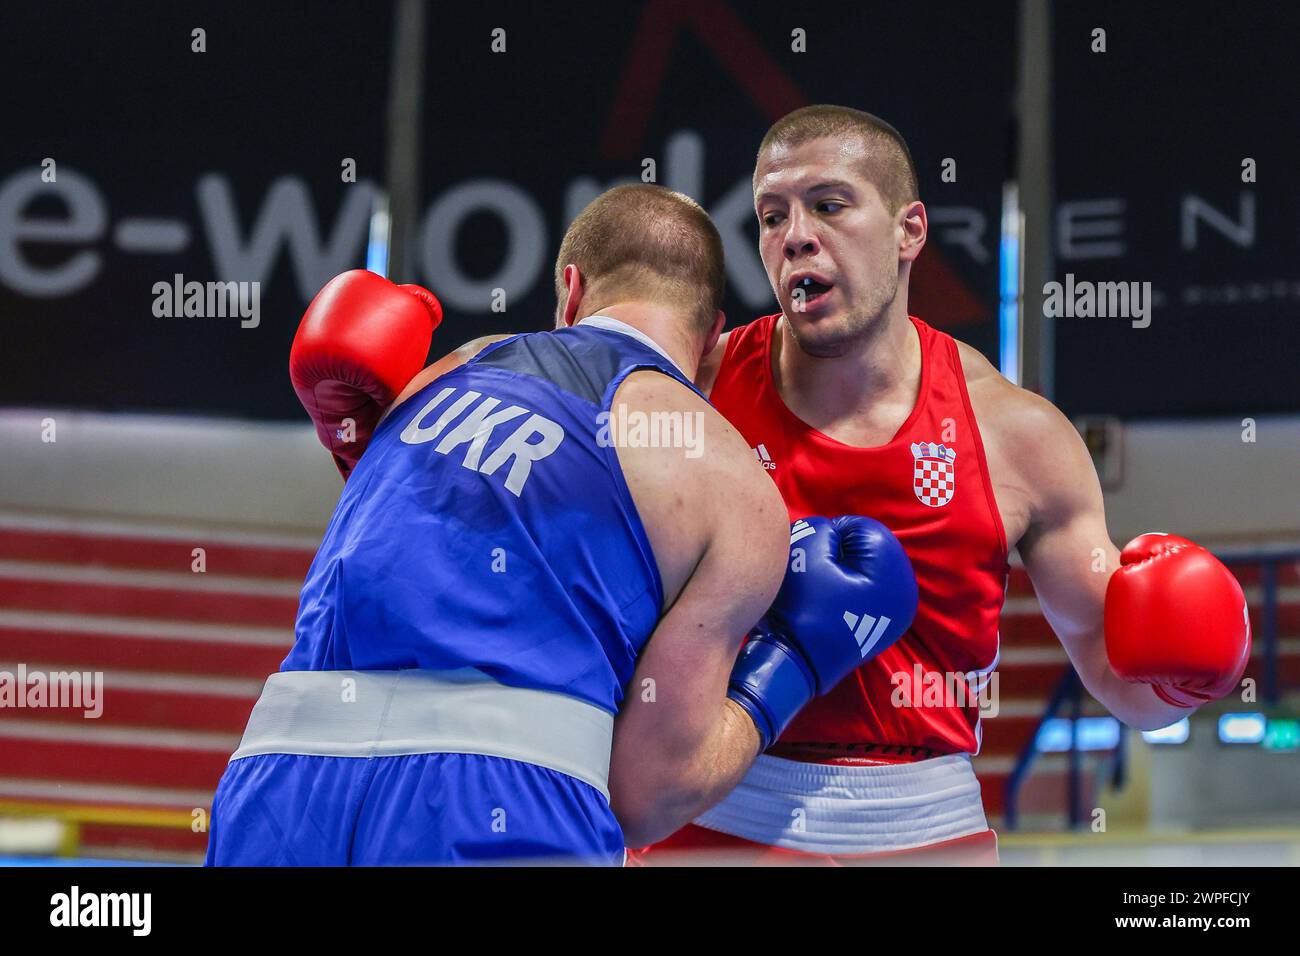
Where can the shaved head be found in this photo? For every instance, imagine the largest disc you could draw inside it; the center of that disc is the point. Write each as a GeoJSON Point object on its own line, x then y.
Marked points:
{"type": "Point", "coordinates": [650, 244]}
{"type": "Point", "coordinates": [888, 163]}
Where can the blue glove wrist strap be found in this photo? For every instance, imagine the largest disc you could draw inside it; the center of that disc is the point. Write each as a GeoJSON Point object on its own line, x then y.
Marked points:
{"type": "Point", "coordinates": [771, 681]}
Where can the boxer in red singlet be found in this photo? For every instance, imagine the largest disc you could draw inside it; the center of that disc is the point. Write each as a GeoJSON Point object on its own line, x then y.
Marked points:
{"type": "Point", "coordinates": [856, 407]}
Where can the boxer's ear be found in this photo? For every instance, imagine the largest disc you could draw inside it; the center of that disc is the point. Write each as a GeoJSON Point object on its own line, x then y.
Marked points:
{"type": "Point", "coordinates": [719, 323]}
{"type": "Point", "coordinates": [914, 225]}
{"type": "Point", "coordinates": [573, 294]}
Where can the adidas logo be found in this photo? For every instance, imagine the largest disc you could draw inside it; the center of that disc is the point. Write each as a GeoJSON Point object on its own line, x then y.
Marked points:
{"type": "Point", "coordinates": [764, 459]}
{"type": "Point", "coordinates": [866, 629]}
{"type": "Point", "coordinates": [800, 530]}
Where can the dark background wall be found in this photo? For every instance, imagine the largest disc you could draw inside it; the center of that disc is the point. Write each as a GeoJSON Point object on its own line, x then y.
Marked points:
{"type": "Point", "coordinates": [1159, 125]}
{"type": "Point", "coordinates": [239, 149]}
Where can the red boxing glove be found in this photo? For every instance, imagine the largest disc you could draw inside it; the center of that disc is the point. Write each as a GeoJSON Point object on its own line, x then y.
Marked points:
{"type": "Point", "coordinates": [1176, 619]}
{"type": "Point", "coordinates": [360, 342]}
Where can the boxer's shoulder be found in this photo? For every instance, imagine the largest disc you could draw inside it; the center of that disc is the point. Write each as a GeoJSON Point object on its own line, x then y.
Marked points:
{"type": "Point", "coordinates": [652, 390]}
{"type": "Point", "coordinates": [695, 482]}
{"type": "Point", "coordinates": [1033, 450]}
{"type": "Point", "coordinates": [448, 363]}
{"type": "Point", "coordinates": [975, 366]}
{"type": "Point", "coordinates": [1007, 412]}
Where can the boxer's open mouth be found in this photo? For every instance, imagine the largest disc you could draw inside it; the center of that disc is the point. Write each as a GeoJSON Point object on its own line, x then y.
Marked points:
{"type": "Point", "coordinates": [806, 289]}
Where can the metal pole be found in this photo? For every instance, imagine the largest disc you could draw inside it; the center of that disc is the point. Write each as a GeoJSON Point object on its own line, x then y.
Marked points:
{"type": "Point", "coordinates": [1268, 621]}
{"type": "Point", "coordinates": [1076, 756]}
{"type": "Point", "coordinates": [1035, 190]}
{"type": "Point", "coordinates": [402, 157]}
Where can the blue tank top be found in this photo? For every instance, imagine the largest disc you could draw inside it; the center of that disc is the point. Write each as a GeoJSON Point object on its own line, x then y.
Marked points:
{"type": "Point", "coordinates": [488, 525]}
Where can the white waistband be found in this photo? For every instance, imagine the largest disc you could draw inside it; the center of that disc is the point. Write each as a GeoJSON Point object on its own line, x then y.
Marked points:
{"type": "Point", "coordinates": [393, 713]}
{"type": "Point", "coordinates": [826, 808]}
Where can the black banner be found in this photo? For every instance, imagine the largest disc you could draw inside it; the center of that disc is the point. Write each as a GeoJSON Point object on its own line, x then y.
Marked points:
{"type": "Point", "coordinates": [140, 156]}
{"type": "Point", "coordinates": [331, 906]}
{"type": "Point", "coordinates": [227, 165]}
{"type": "Point", "coordinates": [1175, 157]}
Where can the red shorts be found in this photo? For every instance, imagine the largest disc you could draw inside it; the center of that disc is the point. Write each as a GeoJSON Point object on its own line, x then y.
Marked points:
{"type": "Point", "coordinates": [692, 843]}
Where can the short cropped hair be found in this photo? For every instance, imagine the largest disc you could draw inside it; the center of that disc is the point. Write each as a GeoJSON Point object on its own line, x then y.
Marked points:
{"type": "Point", "coordinates": [889, 162]}
{"type": "Point", "coordinates": [647, 243]}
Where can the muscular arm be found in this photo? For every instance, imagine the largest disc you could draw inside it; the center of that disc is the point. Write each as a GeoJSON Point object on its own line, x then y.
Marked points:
{"type": "Point", "coordinates": [1069, 554]}
{"type": "Point", "coordinates": [721, 537]}
{"type": "Point", "coordinates": [680, 744]}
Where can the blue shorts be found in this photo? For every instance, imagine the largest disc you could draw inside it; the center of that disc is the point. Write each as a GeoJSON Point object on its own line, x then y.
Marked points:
{"type": "Point", "coordinates": [418, 809]}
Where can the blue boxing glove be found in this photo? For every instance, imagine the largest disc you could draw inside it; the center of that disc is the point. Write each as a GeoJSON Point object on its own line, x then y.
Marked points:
{"type": "Point", "coordinates": [849, 593]}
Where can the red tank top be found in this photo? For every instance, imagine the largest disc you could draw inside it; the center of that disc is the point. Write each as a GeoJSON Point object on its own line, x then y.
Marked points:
{"type": "Point", "coordinates": [930, 486]}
